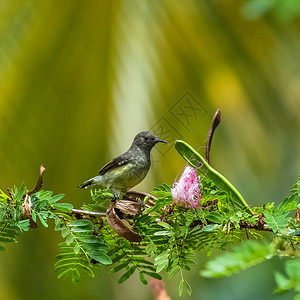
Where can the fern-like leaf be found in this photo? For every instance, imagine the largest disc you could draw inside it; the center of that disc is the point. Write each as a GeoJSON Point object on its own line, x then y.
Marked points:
{"type": "Point", "coordinates": [243, 257]}
{"type": "Point", "coordinates": [277, 219]}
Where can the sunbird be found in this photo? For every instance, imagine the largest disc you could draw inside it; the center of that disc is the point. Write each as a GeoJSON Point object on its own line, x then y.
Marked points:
{"type": "Point", "coordinates": [129, 169]}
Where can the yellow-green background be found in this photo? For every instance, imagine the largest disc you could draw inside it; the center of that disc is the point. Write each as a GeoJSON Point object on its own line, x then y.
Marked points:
{"type": "Point", "coordinates": [78, 79]}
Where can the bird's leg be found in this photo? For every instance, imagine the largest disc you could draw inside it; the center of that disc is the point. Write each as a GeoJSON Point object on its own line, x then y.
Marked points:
{"type": "Point", "coordinates": [142, 204]}
{"type": "Point", "coordinates": [116, 196]}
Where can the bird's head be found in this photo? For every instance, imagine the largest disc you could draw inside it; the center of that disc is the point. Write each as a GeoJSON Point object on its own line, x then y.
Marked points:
{"type": "Point", "coordinates": [146, 140]}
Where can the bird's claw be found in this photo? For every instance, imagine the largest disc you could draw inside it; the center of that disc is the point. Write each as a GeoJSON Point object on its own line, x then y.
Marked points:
{"type": "Point", "coordinates": [142, 204]}
{"type": "Point", "coordinates": [115, 197]}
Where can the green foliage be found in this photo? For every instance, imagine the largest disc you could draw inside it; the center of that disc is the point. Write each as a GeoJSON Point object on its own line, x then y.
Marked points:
{"type": "Point", "coordinates": [293, 200]}
{"type": "Point", "coordinates": [42, 206]}
{"type": "Point", "coordinates": [100, 200]}
{"type": "Point", "coordinates": [243, 257]}
{"type": "Point", "coordinates": [45, 206]}
{"type": "Point", "coordinates": [173, 242]}
{"type": "Point", "coordinates": [8, 234]}
{"type": "Point", "coordinates": [277, 219]}
{"type": "Point", "coordinates": [82, 247]}
{"type": "Point", "coordinates": [292, 281]}
{"type": "Point", "coordinates": [11, 223]}
{"type": "Point", "coordinates": [128, 257]}
{"type": "Point", "coordinates": [170, 235]}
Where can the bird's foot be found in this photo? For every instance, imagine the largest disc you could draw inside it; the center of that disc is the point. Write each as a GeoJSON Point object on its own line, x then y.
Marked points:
{"type": "Point", "coordinates": [115, 197]}
{"type": "Point", "coordinates": [143, 206]}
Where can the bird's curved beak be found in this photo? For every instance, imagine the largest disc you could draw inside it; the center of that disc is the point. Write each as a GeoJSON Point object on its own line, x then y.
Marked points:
{"type": "Point", "coordinates": [157, 140]}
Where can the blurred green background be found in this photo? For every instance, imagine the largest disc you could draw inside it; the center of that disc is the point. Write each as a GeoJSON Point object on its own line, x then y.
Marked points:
{"type": "Point", "coordinates": [78, 80]}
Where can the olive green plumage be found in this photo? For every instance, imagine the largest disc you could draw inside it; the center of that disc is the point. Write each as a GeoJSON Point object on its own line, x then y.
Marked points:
{"type": "Point", "coordinates": [128, 169]}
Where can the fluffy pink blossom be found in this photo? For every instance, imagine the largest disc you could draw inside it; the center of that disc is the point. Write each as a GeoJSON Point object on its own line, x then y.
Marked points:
{"type": "Point", "coordinates": [186, 191]}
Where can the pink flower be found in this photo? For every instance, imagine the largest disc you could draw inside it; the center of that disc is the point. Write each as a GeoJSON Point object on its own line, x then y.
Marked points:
{"type": "Point", "coordinates": [186, 191]}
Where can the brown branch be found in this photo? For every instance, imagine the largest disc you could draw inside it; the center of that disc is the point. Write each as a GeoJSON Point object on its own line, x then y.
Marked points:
{"type": "Point", "coordinates": [90, 213]}
{"type": "Point", "coordinates": [259, 225]}
{"type": "Point", "coordinates": [39, 183]}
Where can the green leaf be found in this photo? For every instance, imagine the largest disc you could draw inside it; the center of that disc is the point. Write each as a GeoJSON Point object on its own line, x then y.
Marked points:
{"type": "Point", "coordinates": [65, 274]}
{"type": "Point", "coordinates": [81, 229]}
{"type": "Point", "coordinates": [142, 278]}
{"type": "Point", "coordinates": [163, 232]}
{"type": "Point", "coordinates": [215, 217]}
{"type": "Point", "coordinates": [3, 196]}
{"type": "Point", "coordinates": [101, 257]}
{"type": "Point", "coordinates": [91, 239]}
{"type": "Point", "coordinates": [19, 193]}
{"type": "Point", "coordinates": [166, 225]}
{"type": "Point", "coordinates": [127, 274]}
{"type": "Point", "coordinates": [152, 274]}
{"type": "Point", "coordinates": [239, 214]}
{"type": "Point", "coordinates": [187, 287]}
{"type": "Point", "coordinates": [119, 267]}
{"type": "Point", "coordinates": [24, 225]}
{"type": "Point", "coordinates": [81, 223]}
{"type": "Point", "coordinates": [292, 268]}
{"type": "Point", "coordinates": [69, 239]}
{"type": "Point", "coordinates": [180, 287]}
{"type": "Point", "coordinates": [162, 266]}
{"type": "Point", "coordinates": [75, 276]}
{"type": "Point", "coordinates": [243, 257]}
{"type": "Point", "coordinates": [76, 248]}
{"type": "Point", "coordinates": [86, 269]}
{"type": "Point", "coordinates": [174, 271]}
{"type": "Point", "coordinates": [68, 261]}
{"type": "Point", "coordinates": [283, 283]}
{"type": "Point", "coordinates": [162, 257]}
{"type": "Point", "coordinates": [71, 262]}
{"type": "Point", "coordinates": [64, 207]}
{"type": "Point", "coordinates": [42, 220]}
{"type": "Point", "coordinates": [64, 232]}
{"type": "Point", "coordinates": [210, 227]}
{"type": "Point", "coordinates": [277, 219]}
{"type": "Point", "coordinates": [292, 281]}
{"type": "Point", "coordinates": [57, 198]}
{"type": "Point", "coordinates": [187, 261]}
{"type": "Point", "coordinates": [33, 215]}
{"type": "Point", "coordinates": [146, 267]}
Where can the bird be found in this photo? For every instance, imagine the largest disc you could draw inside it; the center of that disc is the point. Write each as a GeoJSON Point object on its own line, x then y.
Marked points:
{"type": "Point", "coordinates": [129, 169]}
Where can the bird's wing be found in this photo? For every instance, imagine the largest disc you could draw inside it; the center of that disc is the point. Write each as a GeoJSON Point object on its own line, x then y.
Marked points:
{"type": "Point", "coordinates": [115, 163]}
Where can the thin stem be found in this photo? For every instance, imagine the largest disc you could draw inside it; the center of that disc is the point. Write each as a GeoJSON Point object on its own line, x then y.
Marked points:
{"type": "Point", "coordinates": [90, 213]}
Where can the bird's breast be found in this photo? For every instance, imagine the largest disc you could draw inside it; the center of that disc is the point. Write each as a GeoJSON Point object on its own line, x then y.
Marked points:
{"type": "Point", "coordinates": [127, 176]}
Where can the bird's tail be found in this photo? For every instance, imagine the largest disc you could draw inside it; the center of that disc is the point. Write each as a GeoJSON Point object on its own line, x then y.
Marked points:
{"type": "Point", "coordinates": [86, 184]}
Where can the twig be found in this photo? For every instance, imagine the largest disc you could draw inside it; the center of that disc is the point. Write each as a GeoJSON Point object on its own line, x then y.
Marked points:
{"type": "Point", "coordinates": [259, 225]}
{"type": "Point", "coordinates": [90, 213]}
{"type": "Point", "coordinates": [39, 183]}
